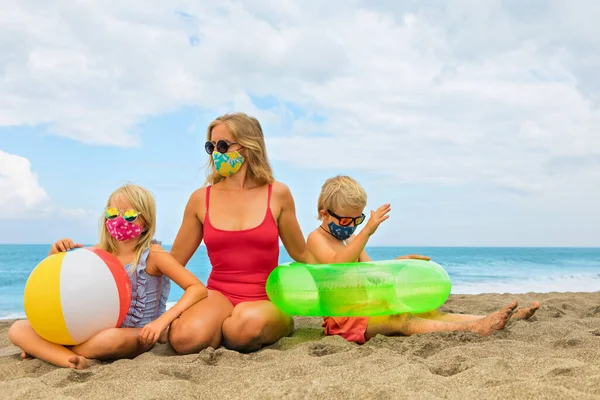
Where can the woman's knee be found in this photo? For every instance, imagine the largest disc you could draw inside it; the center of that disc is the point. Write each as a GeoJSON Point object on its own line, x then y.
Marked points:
{"type": "Point", "coordinates": [199, 327]}
{"type": "Point", "coordinates": [248, 322]}
{"type": "Point", "coordinates": [250, 328]}
{"type": "Point", "coordinates": [192, 336]}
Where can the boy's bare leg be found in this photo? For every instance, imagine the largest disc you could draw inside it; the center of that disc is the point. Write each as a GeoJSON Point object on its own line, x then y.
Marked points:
{"type": "Point", "coordinates": [526, 312]}
{"type": "Point", "coordinates": [521, 313]}
{"type": "Point", "coordinates": [406, 324]}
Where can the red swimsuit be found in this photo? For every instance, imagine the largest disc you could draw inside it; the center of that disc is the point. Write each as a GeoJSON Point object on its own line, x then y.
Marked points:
{"type": "Point", "coordinates": [242, 260]}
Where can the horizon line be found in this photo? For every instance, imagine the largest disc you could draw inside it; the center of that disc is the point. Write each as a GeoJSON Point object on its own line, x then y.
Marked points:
{"type": "Point", "coordinates": [385, 246]}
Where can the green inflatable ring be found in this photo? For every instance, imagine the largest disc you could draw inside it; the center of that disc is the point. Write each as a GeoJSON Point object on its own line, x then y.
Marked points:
{"type": "Point", "coordinates": [359, 289]}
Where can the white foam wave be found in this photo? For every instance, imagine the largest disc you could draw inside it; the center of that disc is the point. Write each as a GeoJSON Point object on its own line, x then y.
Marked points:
{"type": "Point", "coordinates": [538, 284]}
{"type": "Point", "coordinates": [12, 315]}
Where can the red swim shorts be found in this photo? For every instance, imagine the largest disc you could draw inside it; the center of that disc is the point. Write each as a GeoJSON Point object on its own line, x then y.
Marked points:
{"type": "Point", "coordinates": [350, 328]}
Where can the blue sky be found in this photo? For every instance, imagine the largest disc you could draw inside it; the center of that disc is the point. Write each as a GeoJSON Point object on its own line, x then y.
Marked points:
{"type": "Point", "coordinates": [478, 122]}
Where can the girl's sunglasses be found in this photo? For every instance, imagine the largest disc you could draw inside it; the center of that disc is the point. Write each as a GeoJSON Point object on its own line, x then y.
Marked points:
{"type": "Point", "coordinates": [345, 221]}
{"type": "Point", "coordinates": [222, 146]}
{"type": "Point", "coordinates": [128, 215]}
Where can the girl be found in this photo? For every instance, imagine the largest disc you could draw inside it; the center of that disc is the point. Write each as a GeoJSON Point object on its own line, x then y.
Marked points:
{"type": "Point", "coordinates": [127, 230]}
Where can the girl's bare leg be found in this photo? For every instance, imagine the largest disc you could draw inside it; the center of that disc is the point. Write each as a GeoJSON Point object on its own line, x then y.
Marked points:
{"type": "Point", "coordinates": [109, 344]}
{"type": "Point", "coordinates": [22, 335]}
{"type": "Point", "coordinates": [406, 324]}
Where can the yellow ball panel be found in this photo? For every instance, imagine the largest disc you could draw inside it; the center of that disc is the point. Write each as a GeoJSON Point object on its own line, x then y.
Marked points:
{"type": "Point", "coordinates": [42, 301]}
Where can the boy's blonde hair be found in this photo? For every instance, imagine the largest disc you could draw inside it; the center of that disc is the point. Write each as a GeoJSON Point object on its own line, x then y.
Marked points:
{"type": "Point", "coordinates": [247, 132]}
{"type": "Point", "coordinates": [143, 202]}
{"type": "Point", "coordinates": [341, 192]}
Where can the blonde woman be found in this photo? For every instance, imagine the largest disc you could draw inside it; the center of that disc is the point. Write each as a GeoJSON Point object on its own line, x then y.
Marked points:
{"type": "Point", "coordinates": [240, 215]}
{"type": "Point", "coordinates": [127, 232]}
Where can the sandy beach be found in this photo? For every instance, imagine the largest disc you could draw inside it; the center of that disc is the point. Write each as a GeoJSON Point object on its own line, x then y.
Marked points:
{"type": "Point", "coordinates": [554, 355]}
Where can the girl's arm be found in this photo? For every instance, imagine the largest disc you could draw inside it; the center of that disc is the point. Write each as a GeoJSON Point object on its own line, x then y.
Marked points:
{"type": "Point", "coordinates": [289, 228]}
{"type": "Point", "coordinates": [194, 291]}
{"type": "Point", "coordinates": [63, 245]}
{"type": "Point", "coordinates": [191, 232]}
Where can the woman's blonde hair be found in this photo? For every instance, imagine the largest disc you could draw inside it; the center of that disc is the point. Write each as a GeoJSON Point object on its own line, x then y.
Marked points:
{"type": "Point", "coordinates": [143, 202]}
{"type": "Point", "coordinates": [247, 132]}
{"type": "Point", "coordinates": [340, 192]}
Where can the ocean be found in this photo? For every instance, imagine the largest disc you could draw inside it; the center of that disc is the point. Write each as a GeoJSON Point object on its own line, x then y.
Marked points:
{"type": "Point", "coordinates": [472, 270]}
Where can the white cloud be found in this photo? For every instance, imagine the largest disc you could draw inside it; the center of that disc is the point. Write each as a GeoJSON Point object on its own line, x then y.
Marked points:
{"type": "Point", "coordinates": [22, 197]}
{"type": "Point", "coordinates": [19, 187]}
{"type": "Point", "coordinates": [449, 92]}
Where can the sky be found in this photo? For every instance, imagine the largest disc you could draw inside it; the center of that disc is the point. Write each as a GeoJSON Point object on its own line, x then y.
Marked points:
{"type": "Point", "coordinates": [478, 121]}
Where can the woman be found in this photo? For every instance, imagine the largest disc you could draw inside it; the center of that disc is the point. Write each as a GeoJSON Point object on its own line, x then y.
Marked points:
{"type": "Point", "coordinates": [240, 216]}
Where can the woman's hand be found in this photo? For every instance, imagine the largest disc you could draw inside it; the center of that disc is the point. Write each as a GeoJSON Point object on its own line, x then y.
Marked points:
{"type": "Point", "coordinates": [64, 245]}
{"type": "Point", "coordinates": [150, 333]}
{"type": "Point", "coordinates": [414, 257]}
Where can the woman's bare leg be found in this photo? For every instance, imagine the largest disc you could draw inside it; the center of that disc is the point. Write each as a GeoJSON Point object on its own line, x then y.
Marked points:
{"type": "Point", "coordinates": [199, 326]}
{"type": "Point", "coordinates": [406, 324]}
{"type": "Point", "coordinates": [254, 324]}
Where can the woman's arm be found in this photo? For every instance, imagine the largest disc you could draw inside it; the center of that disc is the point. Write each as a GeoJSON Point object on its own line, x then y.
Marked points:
{"type": "Point", "coordinates": [190, 233]}
{"type": "Point", "coordinates": [289, 228]}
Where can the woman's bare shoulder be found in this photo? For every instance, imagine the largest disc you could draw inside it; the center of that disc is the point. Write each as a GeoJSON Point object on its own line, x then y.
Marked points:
{"type": "Point", "coordinates": [280, 189]}
{"type": "Point", "coordinates": [198, 196]}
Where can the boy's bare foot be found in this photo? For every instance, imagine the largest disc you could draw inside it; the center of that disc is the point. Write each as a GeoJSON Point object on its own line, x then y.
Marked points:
{"type": "Point", "coordinates": [526, 312]}
{"type": "Point", "coordinates": [495, 321]}
{"type": "Point", "coordinates": [80, 362]}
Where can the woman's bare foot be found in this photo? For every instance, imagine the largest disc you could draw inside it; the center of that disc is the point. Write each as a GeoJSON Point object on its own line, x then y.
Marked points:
{"type": "Point", "coordinates": [80, 362]}
{"type": "Point", "coordinates": [25, 356]}
{"type": "Point", "coordinates": [495, 321]}
{"type": "Point", "coordinates": [526, 312]}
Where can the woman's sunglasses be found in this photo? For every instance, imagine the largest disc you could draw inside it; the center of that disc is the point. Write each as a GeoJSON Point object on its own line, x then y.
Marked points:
{"type": "Point", "coordinates": [346, 221]}
{"type": "Point", "coordinates": [128, 215]}
{"type": "Point", "coordinates": [222, 146]}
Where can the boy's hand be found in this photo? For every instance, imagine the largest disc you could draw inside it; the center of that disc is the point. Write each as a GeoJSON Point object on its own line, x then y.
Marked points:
{"type": "Point", "coordinates": [64, 245]}
{"type": "Point", "coordinates": [413, 256]}
{"type": "Point", "coordinates": [377, 217]}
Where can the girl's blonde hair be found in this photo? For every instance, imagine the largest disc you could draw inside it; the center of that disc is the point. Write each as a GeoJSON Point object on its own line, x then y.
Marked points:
{"type": "Point", "coordinates": [247, 132]}
{"type": "Point", "coordinates": [340, 192]}
{"type": "Point", "coordinates": [143, 202]}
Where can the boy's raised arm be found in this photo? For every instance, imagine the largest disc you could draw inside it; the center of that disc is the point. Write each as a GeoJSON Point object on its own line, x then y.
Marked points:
{"type": "Point", "coordinates": [319, 247]}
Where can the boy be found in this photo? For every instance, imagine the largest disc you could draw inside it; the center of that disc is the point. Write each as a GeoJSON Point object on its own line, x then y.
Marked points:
{"type": "Point", "coordinates": [340, 207]}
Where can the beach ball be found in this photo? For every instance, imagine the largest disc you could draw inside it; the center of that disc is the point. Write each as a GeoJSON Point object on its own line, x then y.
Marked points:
{"type": "Point", "coordinates": [71, 296]}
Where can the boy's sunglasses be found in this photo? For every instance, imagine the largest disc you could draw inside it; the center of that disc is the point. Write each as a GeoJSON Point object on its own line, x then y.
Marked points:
{"type": "Point", "coordinates": [345, 221]}
{"type": "Point", "coordinates": [128, 215]}
{"type": "Point", "coordinates": [222, 146]}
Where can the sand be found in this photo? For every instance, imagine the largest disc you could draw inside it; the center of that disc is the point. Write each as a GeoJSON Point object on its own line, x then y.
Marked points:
{"type": "Point", "coordinates": [554, 355]}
